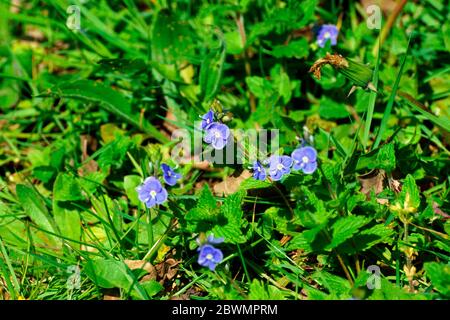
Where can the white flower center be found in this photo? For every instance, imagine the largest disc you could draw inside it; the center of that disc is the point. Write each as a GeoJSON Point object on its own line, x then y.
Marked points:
{"type": "Point", "coordinates": [217, 134]}
{"type": "Point", "coordinates": [305, 159]}
{"type": "Point", "coordinates": [259, 169]}
{"type": "Point", "coordinates": [209, 256]}
{"type": "Point", "coordinates": [169, 173]}
{"type": "Point", "coordinates": [280, 166]}
{"type": "Point", "coordinates": [153, 193]}
{"type": "Point", "coordinates": [327, 35]}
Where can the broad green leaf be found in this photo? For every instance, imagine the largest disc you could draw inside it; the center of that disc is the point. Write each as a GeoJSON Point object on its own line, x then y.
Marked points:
{"type": "Point", "coordinates": [330, 109]}
{"type": "Point", "coordinates": [252, 183]}
{"type": "Point", "coordinates": [36, 210]}
{"type": "Point", "coordinates": [130, 183]}
{"type": "Point", "coordinates": [439, 273]}
{"type": "Point", "coordinates": [206, 208]}
{"type": "Point", "coordinates": [367, 239]}
{"type": "Point", "coordinates": [259, 291]}
{"type": "Point", "coordinates": [344, 228]}
{"type": "Point", "coordinates": [109, 273]}
{"type": "Point", "coordinates": [111, 100]}
{"type": "Point", "coordinates": [385, 158]}
{"type": "Point", "coordinates": [211, 72]}
{"type": "Point", "coordinates": [230, 222]}
{"type": "Point", "coordinates": [335, 285]}
{"type": "Point", "coordinates": [67, 217]}
{"type": "Point", "coordinates": [294, 49]}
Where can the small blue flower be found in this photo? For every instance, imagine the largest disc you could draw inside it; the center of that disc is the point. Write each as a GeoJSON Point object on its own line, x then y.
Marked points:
{"type": "Point", "coordinates": [327, 32]}
{"type": "Point", "coordinates": [209, 256]}
{"type": "Point", "coordinates": [259, 172]}
{"type": "Point", "coordinates": [170, 176]}
{"type": "Point", "coordinates": [217, 135]}
{"type": "Point", "coordinates": [207, 119]}
{"type": "Point", "coordinates": [305, 158]}
{"type": "Point", "coordinates": [279, 166]}
{"type": "Point", "coordinates": [151, 192]}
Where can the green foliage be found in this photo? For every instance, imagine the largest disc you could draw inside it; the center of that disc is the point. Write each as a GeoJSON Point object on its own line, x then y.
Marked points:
{"type": "Point", "coordinates": [87, 115]}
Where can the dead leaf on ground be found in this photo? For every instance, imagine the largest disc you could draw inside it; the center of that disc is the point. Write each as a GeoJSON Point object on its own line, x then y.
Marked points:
{"type": "Point", "coordinates": [230, 184]}
{"type": "Point", "coordinates": [144, 265]}
{"type": "Point", "coordinates": [373, 181]}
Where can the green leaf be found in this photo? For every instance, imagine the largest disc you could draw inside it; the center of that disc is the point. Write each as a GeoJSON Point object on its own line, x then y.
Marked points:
{"type": "Point", "coordinates": [260, 87]}
{"type": "Point", "coordinates": [111, 100]}
{"type": "Point", "coordinates": [336, 285]}
{"type": "Point", "coordinates": [36, 210]}
{"type": "Point", "coordinates": [330, 109]}
{"type": "Point", "coordinates": [206, 208]}
{"type": "Point", "coordinates": [252, 183]}
{"type": "Point", "coordinates": [306, 240]}
{"type": "Point", "coordinates": [385, 158]}
{"type": "Point", "coordinates": [367, 239]}
{"type": "Point", "coordinates": [230, 222]}
{"type": "Point", "coordinates": [211, 72]}
{"type": "Point", "coordinates": [44, 173]}
{"type": "Point", "coordinates": [439, 273]}
{"type": "Point", "coordinates": [109, 273]}
{"type": "Point", "coordinates": [259, 291]}
{"type": "Point", "coordinates": [294, 49]}
{"type": "Point", "coordinates": [130, 183]}
{"type": "Point", "coordinates": [67, 217]}
{"type": "Point", "coordinates": [344, 228]}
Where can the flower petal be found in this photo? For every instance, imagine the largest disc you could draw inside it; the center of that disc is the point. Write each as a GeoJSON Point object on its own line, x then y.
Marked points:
{"type": "Point", "coordinates": [161, 196]}
{"type": "Point", "coordinates": [310, 167]}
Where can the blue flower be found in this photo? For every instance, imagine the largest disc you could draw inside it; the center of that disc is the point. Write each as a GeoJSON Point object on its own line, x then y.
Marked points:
{"type": "Point", "coordinates": [279, 166]}
{"type": "Point", "coordinates": [217, 134]}
{"type": "Point", "coordinates": [327, 32]}
{"type": "Point", "coordinates": [259, 172]}
{"type": "Point", "coordinates": [209, 256]}
{"type": "Point", "coordinates": [170, 176]}
{"type": "Point", "coordinates": [151, 192]}
{"type": "Point", "coordinates": [207, 119]}
{"type": "Point", "coordinates": [305, 159]}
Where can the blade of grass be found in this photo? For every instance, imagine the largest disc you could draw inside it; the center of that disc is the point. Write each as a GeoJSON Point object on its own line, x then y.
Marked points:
{"type": "Point", "coordinates": [371, 106]}
{"type": "Point", "coordinates": [390, 104]}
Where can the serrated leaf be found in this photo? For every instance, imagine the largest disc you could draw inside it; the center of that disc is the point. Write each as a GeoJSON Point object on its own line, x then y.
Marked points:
{"type": "Point", "coordinates": [385, 158]}
{"type": "Point", "coordinates": [335, 285]}
{"type": "Point", "coordinates": [252, 183]}
{"type": "Point", "coordinates": [346, 227]}
{"type": "Point", "coordinates": [230, 223]}
{"type": "Point", "coordinates": [367, 239]}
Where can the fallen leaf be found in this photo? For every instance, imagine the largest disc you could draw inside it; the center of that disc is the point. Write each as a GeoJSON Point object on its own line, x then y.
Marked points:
{"type": "Point", "coordinates": [230, 184]}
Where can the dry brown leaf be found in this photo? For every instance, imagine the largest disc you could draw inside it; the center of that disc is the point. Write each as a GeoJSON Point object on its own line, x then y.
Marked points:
{"type": "Point", "coordinates": [167, 269]}
{"type": "Point", "coordinates": [144, 265]}
{"type": "Point", "coordinates": [372, 181]}
{"type": "Point", "coordinates": [231, 184]}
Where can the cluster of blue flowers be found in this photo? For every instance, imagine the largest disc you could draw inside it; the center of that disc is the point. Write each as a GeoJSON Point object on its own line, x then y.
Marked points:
{"type": "Point", "coordinates": [327, 32]}
{"type": "Point", "coordinates": [303, 158]}
{"type": "Point", "coordinates": [209, 256]}
{"type": "Point", "coordinates": [216, 133]}
{"type": "Point", "coordinates": [151, 192]}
